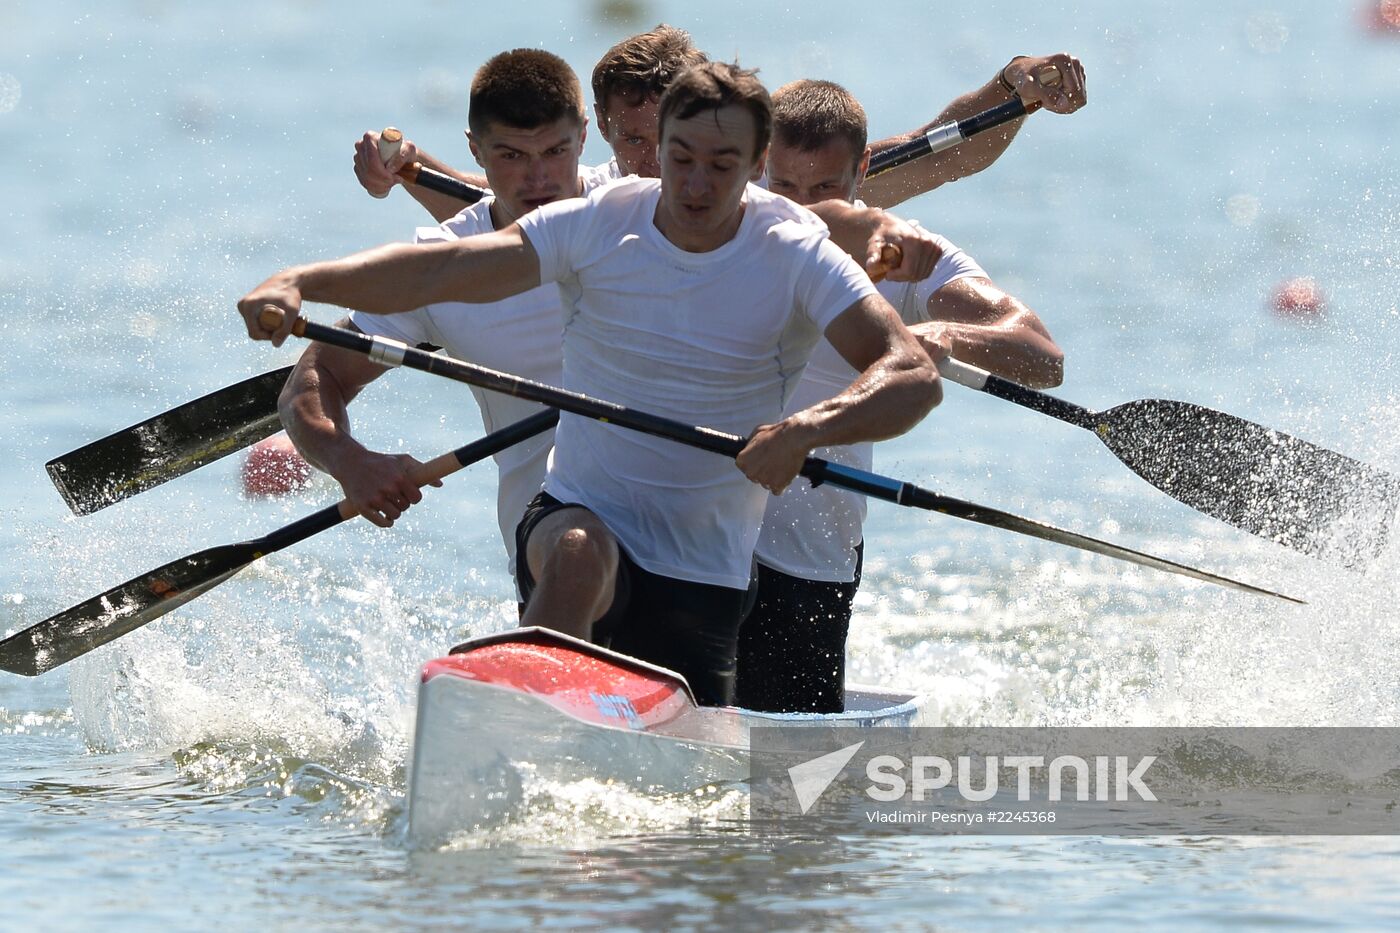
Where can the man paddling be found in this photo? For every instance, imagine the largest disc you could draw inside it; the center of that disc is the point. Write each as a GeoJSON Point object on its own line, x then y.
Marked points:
{"type": "Point", "coordinates": [698, 297]}
{"type": "Point", "coordinates": [793, 646]}
{"type": "Point", "coordinates": [627, 83]}
{"type": "Point", "coordinates": [527, 126]}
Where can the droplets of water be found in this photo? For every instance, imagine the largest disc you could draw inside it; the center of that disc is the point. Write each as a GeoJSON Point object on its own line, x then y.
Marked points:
{"type": "Point", "coordinates": [9, 92]}
{"type": "Point", "coordinates": [1242, 210]}
{"type": "Point", "coordinates": [1266, 32]}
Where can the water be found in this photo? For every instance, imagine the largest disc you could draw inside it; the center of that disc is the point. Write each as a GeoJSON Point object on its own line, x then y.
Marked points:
{"type": "Point", "coordinates": [243, 759]}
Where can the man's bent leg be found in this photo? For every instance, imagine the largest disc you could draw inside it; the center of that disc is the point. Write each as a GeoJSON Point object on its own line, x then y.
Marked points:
{"type": "Point", "coordinates": [570, 572]}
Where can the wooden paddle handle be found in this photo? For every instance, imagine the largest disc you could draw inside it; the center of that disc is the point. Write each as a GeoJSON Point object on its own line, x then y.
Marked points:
{"type": "Point", "coordinates": [890, 256]}
{"type": "Point", "coordinates": [1045, 76]}
{"type": "Point", "coordinates": [390, 142]}
{"type": "Point", "coordinates": [271, 318]}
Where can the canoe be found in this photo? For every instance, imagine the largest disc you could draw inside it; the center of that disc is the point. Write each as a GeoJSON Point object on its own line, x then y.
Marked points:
{"type": "Point", "coordinates": [573, 711]}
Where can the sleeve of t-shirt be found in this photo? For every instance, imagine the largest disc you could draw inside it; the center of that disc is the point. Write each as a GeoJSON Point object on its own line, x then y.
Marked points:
{"type": "Point", "coordinates": [830, 283]}
{"type": "Point", "coordinates": [952, 265]}
{"type": "Point", "coordinates": [556, 230]}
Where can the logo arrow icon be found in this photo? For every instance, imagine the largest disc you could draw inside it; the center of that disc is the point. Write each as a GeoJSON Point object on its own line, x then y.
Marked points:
{"type": "Point", "coordinates": [811, 778]}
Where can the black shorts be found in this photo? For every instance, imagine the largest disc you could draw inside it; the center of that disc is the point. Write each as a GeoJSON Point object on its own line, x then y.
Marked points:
{"type": "Point", "coordinates": [691, 628]}
{"type": "Point", "coordinates": [792, 647]}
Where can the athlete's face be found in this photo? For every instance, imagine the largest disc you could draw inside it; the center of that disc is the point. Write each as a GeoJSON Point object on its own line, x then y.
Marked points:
{"type": "Point", "coordinates": [530, 167]}
{"type": "Point", "coordinates": [705, 163]}
{"type": "Point", "coordinates": [631, 131]}
{"type": "Point", "coordinates": [808, 176]}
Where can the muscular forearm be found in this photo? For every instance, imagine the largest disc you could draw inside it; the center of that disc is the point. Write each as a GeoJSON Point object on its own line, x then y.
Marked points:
{"type": "Point", "coordinates": [314, 410]}
{"type": "Point", "coordinates": [887, 399]}
{"type": "Point", "coordinates": [1015, 347]}
{"type": "Point", "coordinates": [883, 244]}
{"type": "Point", "coordinates": [968, 158]}
{"type": "Point", "coordinates": [850, 226]}
{"type": "Point", "coordinates": [401, 277]}
{"type": "Point", "coordinates": [976, 322]}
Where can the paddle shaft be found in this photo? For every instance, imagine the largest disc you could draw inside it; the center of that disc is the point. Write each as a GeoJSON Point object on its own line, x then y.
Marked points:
{"type": "Point", "coordinates": [949, 134]}
{"type": "Point", "coordinates": [416, 173]}
{"type": "Point", "coordinates": [392, 353]}
{"type": "Point", "coordinates": [110, 615]}
{"type": "Point", "coordinates": [982, 381]}
{"type": "Point", "coordinates": [419, 174]}
{"type": "Point", "coordinates": [421, 475]}
{"type": "Point", "coordinates": [430, 472]}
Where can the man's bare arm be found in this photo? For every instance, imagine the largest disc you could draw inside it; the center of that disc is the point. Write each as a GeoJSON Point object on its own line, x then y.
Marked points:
{"type": "Point", "coordinates": [314, 408]}
{"type": "Point", "coordinates": [885, 245]}
{"type": "Point", "coordinates": [898, 384]}
{"type": "Point", "coordinates": [1031, 79]}
{"type": "Point", "coordinates": [974, 321]}
{"type": "Point", "coordinates": [399, 277]}
{"type": "Point", "coordinates": [315, 401]}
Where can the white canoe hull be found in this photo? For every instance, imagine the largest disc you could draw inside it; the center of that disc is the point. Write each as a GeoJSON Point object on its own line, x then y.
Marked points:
{"type": "Point", "coordinates": [576, 711]}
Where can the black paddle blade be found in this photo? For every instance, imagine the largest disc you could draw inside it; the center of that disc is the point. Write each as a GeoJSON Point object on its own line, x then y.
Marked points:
{"type": "Point", "coordinates": [1265, 482]}
{"type": "Point", "coordinates": [169, 445]}
{"type": "Point", "coordinates": [91, 624]}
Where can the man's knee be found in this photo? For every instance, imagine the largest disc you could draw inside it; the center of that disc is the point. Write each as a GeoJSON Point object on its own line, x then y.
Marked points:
{"type": "Point", "coordinates": [577, 545]}
{"type": "Point", "coordinates": [586, 550]}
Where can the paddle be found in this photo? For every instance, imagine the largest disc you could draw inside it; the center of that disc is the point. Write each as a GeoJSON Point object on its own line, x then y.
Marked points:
{"type": "Point", "coordinates": [167, 446]}
{"type": "Point", "coordinates": [76, 631]}
{"type": "Point", "coordinates": [1268, 483]}
{"type": "Point", "coordinates": [416, 173]}
{"type": "Point", "coordinates": [947, 135]}
{"type": "Point", "coordinates": [392, 353]}
{"type": "Point", "coordinates": [172, 444]}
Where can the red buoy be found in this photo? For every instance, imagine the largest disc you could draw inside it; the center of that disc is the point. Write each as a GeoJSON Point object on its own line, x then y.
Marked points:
{"type": "Point", "coordinates": [274, 468]}
{"type": "Point", "coordinates": [1299, 298]}
{"type": "Point", "coordinates": [1384, 16]}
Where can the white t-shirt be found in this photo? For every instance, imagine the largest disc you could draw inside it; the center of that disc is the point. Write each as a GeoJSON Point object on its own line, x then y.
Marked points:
{"type": "Point", "coordinates": [716, 339]}
{"type": "Point", "coordinates": [595, 176]}
{"type": "Point", "coordinates": [519, 335]}
{"type": "Point", "coordinates": [812, 533]}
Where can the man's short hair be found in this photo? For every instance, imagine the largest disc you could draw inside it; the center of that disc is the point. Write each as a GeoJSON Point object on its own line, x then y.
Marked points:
{"type": "Point", "coordinates": [524, 88]}
{"type": "Point", "coordinates": [809, 114]}
{"type": "Point", "coordinates": [641, 67]}
{"type": "Point", "coordinates": [714, 85]}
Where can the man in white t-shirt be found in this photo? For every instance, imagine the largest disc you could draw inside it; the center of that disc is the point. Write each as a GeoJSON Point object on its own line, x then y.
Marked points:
{"type": "Point", "coordinates": [792, 647]}
{"type": "Point", "coordinates": [527, 129]}
{"type": "Point", "coordinates": [628, 81]}
{"type": "Point", "coordinates": [698, 297]}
